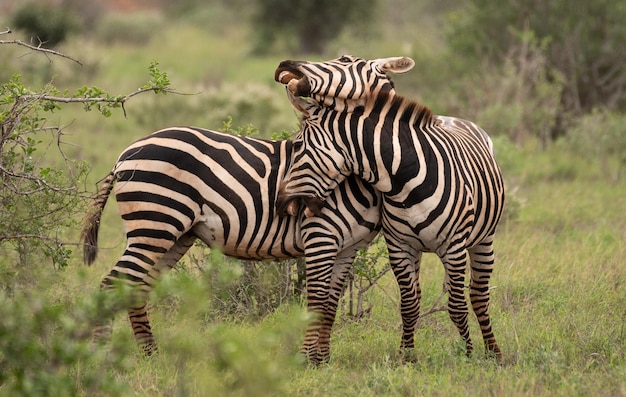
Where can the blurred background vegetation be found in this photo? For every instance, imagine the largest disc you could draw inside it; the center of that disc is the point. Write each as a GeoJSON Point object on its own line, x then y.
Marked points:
{"type": "Point", "coordinates": [547, 80]}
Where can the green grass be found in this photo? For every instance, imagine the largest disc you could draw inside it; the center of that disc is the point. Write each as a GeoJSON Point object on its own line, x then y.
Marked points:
{"type": "Point", "coordinates": [558, 309]}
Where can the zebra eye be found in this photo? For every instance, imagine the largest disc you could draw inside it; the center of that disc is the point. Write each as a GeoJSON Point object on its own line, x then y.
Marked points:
{"type": "Point", "coordinates": [297, 145]}
{"type": "Point", "coordinates": [345, 59]}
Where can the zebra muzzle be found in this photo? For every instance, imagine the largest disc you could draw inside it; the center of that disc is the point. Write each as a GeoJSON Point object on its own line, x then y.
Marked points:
{"type": "Point", "coordinates": [288, 74]}
{"type": "Point", "coordinates": [291, 205]}
{"type": "Point", "coordinates": [299, 86]}
{"type": "Point", "coordinates": [286, 77]}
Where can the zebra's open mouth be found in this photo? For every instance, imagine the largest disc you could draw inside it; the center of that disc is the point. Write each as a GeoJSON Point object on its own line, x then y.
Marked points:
{"type": "Point", "coordinates": [287, 73]}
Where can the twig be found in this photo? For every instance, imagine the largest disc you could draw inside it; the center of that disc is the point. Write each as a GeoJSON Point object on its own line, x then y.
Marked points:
{"type": "Point", "coordinates": [436, 307]}
{"type": "Point", "coordinates": [38, 48]}
{"type": "Point", "coordinates": [93, 100]}
{"type": "Point", "coordinates": [120, 100]}
{"type": "Point", "coordinates": [442, 307]}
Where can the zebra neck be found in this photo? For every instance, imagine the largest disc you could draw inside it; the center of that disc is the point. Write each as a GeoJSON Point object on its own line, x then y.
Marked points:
{"type": "Point", "coordinates": [387, 106]}
{"type": "Point", "coordinates": [398, 151]}
{"type": "Point", "coordinates": [339, 104]}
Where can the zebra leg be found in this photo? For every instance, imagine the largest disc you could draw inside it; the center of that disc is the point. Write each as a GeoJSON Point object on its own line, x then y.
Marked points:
{"type": "Point", "coordinates": [455, 264]}
{"type": "Point", "coordinates": [136, 269]}
{"type": "Point", "coordinates": [404, 261]}
{"type": "Point", "coordinates": [342, 267]}
{"type": "Point", "coordinates": [318, 277]}
{"type": "Point", "coordinates": [138, 317]}
{"type": "Point", "coordinates": [482, 263]}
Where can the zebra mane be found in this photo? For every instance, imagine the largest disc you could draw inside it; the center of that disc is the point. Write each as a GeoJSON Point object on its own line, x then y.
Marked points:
{"type": "Point", "coordinates": [408, 108]}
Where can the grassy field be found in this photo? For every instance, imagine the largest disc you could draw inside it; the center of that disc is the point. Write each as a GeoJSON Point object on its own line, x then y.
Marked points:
{"type": "Point", "coordinates": [559, 312]}
{"type": "Point", "coordinates": [558, 306]}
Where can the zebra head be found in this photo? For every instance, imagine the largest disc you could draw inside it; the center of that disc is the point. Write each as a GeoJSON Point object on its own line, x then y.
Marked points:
{"type": "Point", "coordinates": [319, 164]}
{"type": "Point", "coordinates": [343, 83]}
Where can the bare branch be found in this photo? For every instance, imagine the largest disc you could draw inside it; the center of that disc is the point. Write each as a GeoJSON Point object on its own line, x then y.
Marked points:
{"type": "Point", "coordinates": [39, 48]}
{"type": "Point", "coordinates": [436, 306]}
{"type": "Point", "coordinates": [7, 31]}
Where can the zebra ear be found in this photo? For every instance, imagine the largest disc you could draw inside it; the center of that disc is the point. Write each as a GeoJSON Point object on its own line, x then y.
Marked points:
{"type": "Point", "coordinates": [396, 64]}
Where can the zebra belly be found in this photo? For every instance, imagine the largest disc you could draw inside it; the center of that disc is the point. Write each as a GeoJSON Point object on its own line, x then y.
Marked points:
{"type": "Point", "coordinates": [419, 228]}
{"type": "Point", "coordinates": [210, 229]}
{"type": "Point", "coordinates": [278, 240]}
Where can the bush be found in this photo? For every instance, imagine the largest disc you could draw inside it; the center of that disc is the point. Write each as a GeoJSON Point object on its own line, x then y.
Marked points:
{"type": "Point", "coordinates": [46, 23]}
{"type": "Point", "coordinates": [520, 99]}
{"type": "Point", "coordinates": [588, 56]}
{"type": "Point", "coordinates": [40, 187]}
{"type": "Point", "coordinates": [600, 136]}
{"type": "Point", "coordinates": [243, 289]}
{"type": "Point", "coordinates": [38, 198]}
{"type": "Point", "coordinates": [130, 29]}
{"type": "Point", "coordinates": [243, 105]}
{"type": "Point", "coordinates": [46, 349]}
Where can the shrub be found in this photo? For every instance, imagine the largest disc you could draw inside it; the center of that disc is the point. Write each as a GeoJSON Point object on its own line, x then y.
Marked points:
{"type": "Point", "coordinates": [520, 99]}
{"type": "Point", "coordinates": [44, 22]}
{"type": "Point", "coordinates": [587, 55]}
{"type": "Point", "coordinates": [46, 349]}
{"type": "Point", "coordinates": [243, 105]}
{"type": "Point", "coordinates": [131, 29]}
{"type": "Point", "coordinates": [600, 136]}
{"type": "Point", "coordinates": [40, 187]}
{"type": "Point", "coordinates": [245, 289]}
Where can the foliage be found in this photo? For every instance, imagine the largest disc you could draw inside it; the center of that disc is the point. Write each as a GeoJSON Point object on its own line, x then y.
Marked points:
{"type": "Point", "coordinates": [38, 195]}
{"type": "Point", "coordinates": [599, 135]}
{"type": "Point", "coordinates": [244, 105]}
{"type": "Point", "coordinates": [127, 29]}
{"type": "Point", "coordinates": [45, 23]}
{"type": "Point", "coordinates": [45, 348]}
{"type": "Point", "coordinates": [310, 24]}
{"type": "Point", "coordinates": [245, 289]}
{"type": "Point", "coordinates": [585, 43]}
{"type": "Point", "coordinates": [521, 99]}
{"type": "Point", "coordinates": [369, 268]}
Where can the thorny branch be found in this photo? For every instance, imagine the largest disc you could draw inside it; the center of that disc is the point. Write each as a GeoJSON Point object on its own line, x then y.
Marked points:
{"type": "Point", "coordinates": [39, 48]}
{"type": "Point", "coordinates": [119, 100]}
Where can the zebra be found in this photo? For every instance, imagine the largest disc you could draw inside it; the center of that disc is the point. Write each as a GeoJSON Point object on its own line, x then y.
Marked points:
{"type": "Point", "coordinates": [181, 184]}
{"type": "Point", "coordinates": [443, 191]}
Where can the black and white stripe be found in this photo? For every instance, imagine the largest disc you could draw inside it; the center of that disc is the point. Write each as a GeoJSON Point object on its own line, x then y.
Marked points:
{"type": "Point", "coordinates": [442, 189]}
{"type": "Point", "coordinates": [182, 184]}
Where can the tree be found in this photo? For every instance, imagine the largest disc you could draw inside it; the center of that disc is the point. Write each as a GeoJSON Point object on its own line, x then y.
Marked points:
{"type": "Point", "coordinates": [585, 42]}
{"type": "Point", "coordinates": [45, 23]}
{"type": "Point", "coordinates": [310, 23]}
{"type": "Point", "coordinates": [39, 199]}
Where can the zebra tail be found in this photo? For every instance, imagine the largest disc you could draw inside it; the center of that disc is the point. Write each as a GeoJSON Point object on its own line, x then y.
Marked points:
{"type": "Point", "coordinates": [91, 224]}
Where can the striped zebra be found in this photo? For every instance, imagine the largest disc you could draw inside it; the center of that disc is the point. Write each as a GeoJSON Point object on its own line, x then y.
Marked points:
{"type": "Point", "coordinates": [442, 189]}
{"type": "Point", "coordinates": [181, 184]}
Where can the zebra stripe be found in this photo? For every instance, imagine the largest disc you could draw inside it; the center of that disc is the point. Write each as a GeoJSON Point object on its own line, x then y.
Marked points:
{"type": "Point", "coordinates": [181, 184]}
{"type": "Point", "coordinates": [442, 189]}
